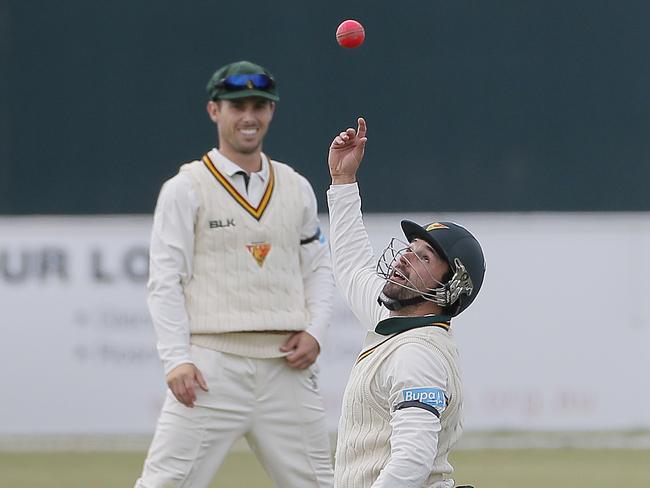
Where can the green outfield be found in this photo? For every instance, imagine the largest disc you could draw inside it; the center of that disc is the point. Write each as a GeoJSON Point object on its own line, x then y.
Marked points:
{"type": "Point", "coordinates": [500, 468]}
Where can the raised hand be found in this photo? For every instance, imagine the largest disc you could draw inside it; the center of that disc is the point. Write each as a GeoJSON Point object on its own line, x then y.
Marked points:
{"type": "Point", "coordinates": [346, 153]}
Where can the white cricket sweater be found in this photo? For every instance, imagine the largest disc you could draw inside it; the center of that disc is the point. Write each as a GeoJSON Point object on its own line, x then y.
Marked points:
{"type": "Point", "coordinates": [364, 443]}
{"type": "Point", "coordinates": [246, 260]}
{"type": "Point", "coordinates": [379, 446]}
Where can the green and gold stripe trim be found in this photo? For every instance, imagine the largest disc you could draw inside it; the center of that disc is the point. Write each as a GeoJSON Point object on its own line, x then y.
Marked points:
{"type": "Point", "coordinates": [392, 325]}
{"type": "Point", "coordinates": [368, 352]}
{"type": "Point", "coordinates": [256, 212]}
{"type": "Point", "coordinates": [414, 324]}
{"type": "Point", "coordinates": [444, 325]}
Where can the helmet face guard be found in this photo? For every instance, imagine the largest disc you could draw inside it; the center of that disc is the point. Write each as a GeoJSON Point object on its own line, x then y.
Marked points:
{"type": "Point", "coordinates": [445, 295]}
{"type": "Point", "coordinates": [454, 244]}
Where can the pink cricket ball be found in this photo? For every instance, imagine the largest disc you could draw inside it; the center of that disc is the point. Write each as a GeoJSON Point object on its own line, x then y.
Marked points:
{"type": "Point", "coordinates": [350, 34]}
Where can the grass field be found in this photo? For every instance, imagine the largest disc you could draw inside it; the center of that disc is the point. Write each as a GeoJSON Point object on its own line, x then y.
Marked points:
{"type": "Point", "coordinates": [500, 468]}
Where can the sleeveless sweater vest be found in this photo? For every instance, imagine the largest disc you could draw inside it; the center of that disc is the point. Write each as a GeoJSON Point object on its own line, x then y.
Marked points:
{"type": "Point", "coordinates": [363, 446]}
{"type": "Point", "coordinates": [246, 273]}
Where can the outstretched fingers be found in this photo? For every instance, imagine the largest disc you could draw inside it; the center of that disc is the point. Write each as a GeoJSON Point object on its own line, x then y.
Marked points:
{"type": "Point", "coordinates": [362, 128]}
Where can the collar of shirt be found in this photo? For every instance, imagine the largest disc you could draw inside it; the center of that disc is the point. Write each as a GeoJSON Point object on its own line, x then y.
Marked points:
{"type": "Point", "coordinates": [229, 168]}
{"type": "Point", "coordinates": [398, 324]}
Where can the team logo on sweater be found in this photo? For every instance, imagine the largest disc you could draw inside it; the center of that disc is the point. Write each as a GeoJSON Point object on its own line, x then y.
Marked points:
{"type": "Point", "coordinates": [259, 251]}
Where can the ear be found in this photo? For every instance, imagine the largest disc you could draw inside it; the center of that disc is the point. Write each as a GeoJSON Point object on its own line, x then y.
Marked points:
{"type": "Point", "coordinates": [214, 110]}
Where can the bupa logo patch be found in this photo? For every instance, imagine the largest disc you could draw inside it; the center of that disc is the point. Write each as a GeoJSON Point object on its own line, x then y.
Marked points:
{"type": "Point", "coordinates": [431, 396]}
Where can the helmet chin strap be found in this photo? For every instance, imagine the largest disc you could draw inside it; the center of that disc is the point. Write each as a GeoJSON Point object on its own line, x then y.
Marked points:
{"type": "Point", "coordinates": [393, 304]}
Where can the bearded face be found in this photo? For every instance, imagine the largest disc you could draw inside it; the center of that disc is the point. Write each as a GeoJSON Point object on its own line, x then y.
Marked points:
{"type": "Point", "coordinates": [415, 269]}
{"type": "Point", "coordinates": [396, 283]}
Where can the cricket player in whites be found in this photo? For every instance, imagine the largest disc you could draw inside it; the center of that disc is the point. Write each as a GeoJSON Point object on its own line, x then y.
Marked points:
{"type": "Point", "coordinates": [239, 293]}
{"type": "Point", "coordinates": [402, 406]}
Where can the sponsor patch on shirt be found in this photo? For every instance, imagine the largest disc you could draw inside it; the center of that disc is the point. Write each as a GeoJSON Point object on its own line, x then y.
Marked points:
{"type": "Point", "coordinates": [432, 396]}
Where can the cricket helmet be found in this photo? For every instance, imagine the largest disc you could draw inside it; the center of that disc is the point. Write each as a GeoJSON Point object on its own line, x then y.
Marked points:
{"type": "Point", "coordinates": [462, 252]}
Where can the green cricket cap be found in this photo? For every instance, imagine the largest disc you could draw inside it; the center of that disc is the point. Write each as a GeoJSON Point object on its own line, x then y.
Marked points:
{"type": "Point", "coordinates": [242, 79]}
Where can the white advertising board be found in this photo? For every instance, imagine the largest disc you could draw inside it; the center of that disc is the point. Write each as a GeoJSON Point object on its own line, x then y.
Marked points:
{"type": "Point", "coordinates": [557, 340]}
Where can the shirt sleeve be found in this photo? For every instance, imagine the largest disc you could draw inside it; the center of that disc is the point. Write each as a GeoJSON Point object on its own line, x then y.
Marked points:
{"type": "Point", "coordinates": [415, 382]}
{"type": "Point", "coordinates": [316, 267]}
{"type": "Point", "coordinates": [353, 259]}
{"type": "Point", "coordinates": [170, 267]}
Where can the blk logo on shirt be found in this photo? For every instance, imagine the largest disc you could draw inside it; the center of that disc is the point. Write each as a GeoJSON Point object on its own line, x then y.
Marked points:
{"type": "Point", "coordinates": [219, 224]}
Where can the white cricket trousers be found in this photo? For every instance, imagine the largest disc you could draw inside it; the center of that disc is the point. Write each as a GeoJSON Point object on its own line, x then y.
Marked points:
{"type": "Point", "coordinates": [277, 409]}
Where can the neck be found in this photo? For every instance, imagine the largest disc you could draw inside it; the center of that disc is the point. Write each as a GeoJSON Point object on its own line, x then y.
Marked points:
{"type": "Point", "coordinates": [251, 163]}
{"type": "Point", "coordinates": [417, 309]}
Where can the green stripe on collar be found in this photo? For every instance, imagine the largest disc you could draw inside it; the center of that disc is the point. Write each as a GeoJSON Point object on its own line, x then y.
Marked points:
{"type": "Point", "coordinates": [394, 325]}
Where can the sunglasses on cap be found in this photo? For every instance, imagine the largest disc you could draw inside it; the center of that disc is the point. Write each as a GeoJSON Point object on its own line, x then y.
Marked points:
{"type": "Point", "coordinates": [246, 82]}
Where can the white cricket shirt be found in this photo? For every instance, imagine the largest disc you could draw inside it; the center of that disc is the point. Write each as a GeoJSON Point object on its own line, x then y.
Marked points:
{"type": "Point", "coordinates": [171, 257]}
{"type": "Point", "coordinates": [414, 436]}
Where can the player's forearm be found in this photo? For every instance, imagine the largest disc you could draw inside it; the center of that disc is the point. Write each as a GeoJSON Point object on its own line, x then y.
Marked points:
{"type": "Point", "coordinates": [318, 283]}
{"type": "Point", "coordinates": [170, 265]}
{"type": "Point", "coordinates": [166, 302]}
{"type": "Point", "coordinates": [171, 324]}
{"type": "Point", "coordinates": [352, 256]}
{"type": "Point", "coordinates": [414, 441]}
{"type": "Point", "coordinates": [350, 245]}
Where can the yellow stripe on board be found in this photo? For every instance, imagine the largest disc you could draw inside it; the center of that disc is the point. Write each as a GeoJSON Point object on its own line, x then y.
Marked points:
{"type": "Point", "coordinates": [256, 212]}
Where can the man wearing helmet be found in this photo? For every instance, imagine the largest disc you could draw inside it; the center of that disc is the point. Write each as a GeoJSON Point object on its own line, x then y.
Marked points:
{"type": "Point", "coordinates": [401, 411]}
